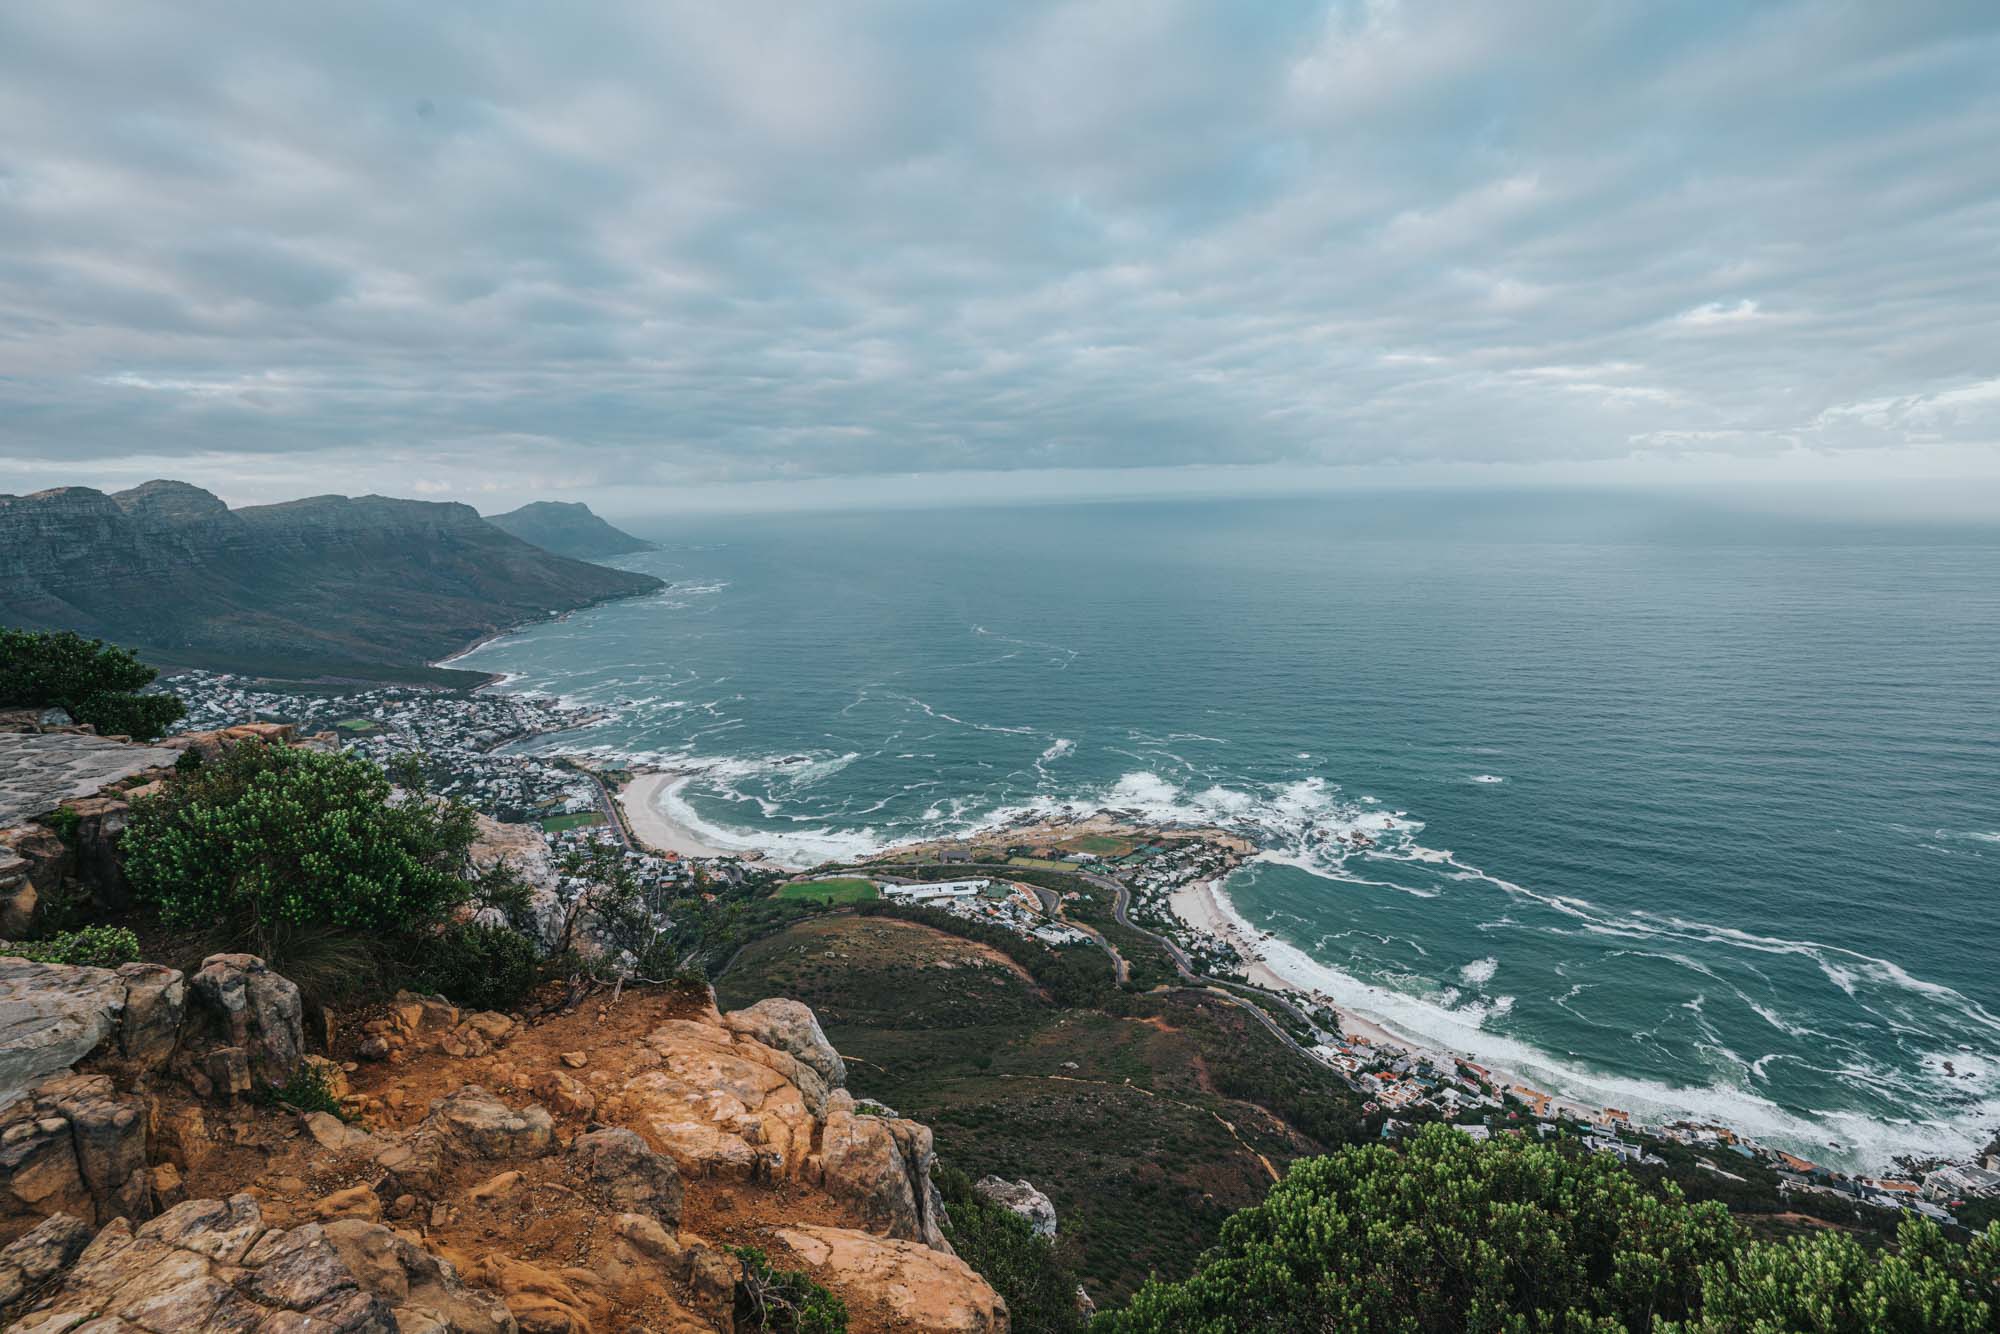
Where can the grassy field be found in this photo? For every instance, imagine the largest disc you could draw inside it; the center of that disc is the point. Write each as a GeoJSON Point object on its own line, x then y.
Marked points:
{"type": "Point", "coordinates": [1141, 1120]}
{"type": "Point", "coordinates": [555, 824]}
{"type": "Point", "coordinates": [1098, 845]}
{"type": "Point", "coordinates": [1039, 863]}
{"type": "Point", "coordinates": [836, 889]}
{"type": "Point", "coordinates": [356, 725]}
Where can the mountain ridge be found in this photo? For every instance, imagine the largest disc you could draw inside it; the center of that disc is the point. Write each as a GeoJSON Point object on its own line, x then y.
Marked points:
{"type": "Point", "coordinates": [319, 583]}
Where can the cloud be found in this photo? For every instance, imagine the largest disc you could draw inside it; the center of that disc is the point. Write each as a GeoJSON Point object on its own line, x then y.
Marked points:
{"type": "Point", "coordinates": [286, 249]}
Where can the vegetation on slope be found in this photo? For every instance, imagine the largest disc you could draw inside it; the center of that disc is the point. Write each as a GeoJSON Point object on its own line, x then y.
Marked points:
{"type": "Point", "coordinates": [1449, 1235]}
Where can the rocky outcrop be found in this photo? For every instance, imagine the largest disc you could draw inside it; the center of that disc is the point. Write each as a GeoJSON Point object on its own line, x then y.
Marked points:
{"type": "Point", "coordinates": [629, 1176]}
{"type": "Point", "coordinates": [212, 1265]}
{"type": "Point", "coordinates": [523, 850]}
{"type": "Point", "coordinates": [79, 1142]}
{"type": "Point", "coordinates": [791, 1027]}
{"type": "Point", "coordinates": [884, 1166]}
{"type": "Point", "coordinates": [325, 579]}
{"type": "Point", "coordinates": [921, 1289]}
{"type": "Point", "coordinates": [1019, 1197]}
{"type": "Point", "coordinates": [32, 1260]}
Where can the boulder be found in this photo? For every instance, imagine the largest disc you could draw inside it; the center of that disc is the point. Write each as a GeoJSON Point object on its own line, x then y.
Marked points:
{"type": "Point", "coordinates": [883, 1166]}
{"type": "Point", "coordinates": [211, 1265]}
{"type": "Point", "coordinates": [32, 1260]}
{"type": "Point", "coordinates": [51, 1017]}
{"type": "Point", "coordinates": [628, 1175]}
{"type": "Point", "coordinates": [791, 1027]}
{"type": "Point", "coordinates": [247, 1006]}
{"type": "Point", "coordinates": [1020, 1197]}
{"type": "Point", "coordinates": [478, 1125]}
{"type": "Point", "coordinates": [918, 1289]}
{"type": "Point", "coordinates": [155, 1008]}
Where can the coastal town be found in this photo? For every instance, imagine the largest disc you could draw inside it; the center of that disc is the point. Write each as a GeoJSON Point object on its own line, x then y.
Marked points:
{"type": "Point", "coordinates": [1166, 879]}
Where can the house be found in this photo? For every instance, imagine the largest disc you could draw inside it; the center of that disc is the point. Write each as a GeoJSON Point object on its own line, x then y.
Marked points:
{"type": "Point", "coordinates": [1960, 1183]}
{"type": "Point", "coordinates": [936, 889]}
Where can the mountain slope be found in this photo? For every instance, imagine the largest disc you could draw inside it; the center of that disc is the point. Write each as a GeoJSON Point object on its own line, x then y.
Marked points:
{"type": "Point", "coordinates": [568, 530]}
{"type": "Point", "coordinates": [316, 583]}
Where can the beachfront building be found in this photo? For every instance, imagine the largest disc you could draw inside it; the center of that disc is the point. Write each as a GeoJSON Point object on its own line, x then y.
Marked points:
{"type": "Point", "coordinates": [936, 889]}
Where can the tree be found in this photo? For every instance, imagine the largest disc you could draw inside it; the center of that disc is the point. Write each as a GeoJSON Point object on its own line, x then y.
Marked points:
{"type": "Point", "coordinates": [91, 681]}
{"type": "Point", "coordinates": [272, 837]}
{"type": "Point", "coordinates": [1522, 1236]}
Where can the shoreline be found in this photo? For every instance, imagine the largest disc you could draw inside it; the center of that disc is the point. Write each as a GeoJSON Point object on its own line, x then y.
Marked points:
{"type": "Point", "coordinates": [654, 828]}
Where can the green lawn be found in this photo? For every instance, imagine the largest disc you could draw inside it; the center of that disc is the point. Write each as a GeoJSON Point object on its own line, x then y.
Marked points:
{"type": "Point", "coordinates": [839, 889]}
{"type": "Point", "coordinates": [555, 824]}
{"type": "Point", "coordinates": [355, 725]}
{"type": "Point", "coordinates": [1040, 863]}
{"type": "Point", "coordinates": [1099, 845]}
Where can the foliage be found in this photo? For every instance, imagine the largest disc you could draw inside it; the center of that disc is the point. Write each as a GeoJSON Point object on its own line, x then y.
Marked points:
{"type": "Point", "coordinates": [480, 967]}
{"type": "Point", "coordinates": [1035, 1280]}
{"type": "Point", "coordinates": [1518, 1235]}
{"type": "Point", "coordinates": [91, 681]}
{"type": "Point", "coordinates": [310, 1089]}
{"type": "Point", "coordinates": [1079, 975]}
{"type": "Point", "coordinates": [1828, 1284]}
{"type": "Point", "coordinates": [91, 946]}
{"type": "Point", "coordinates": [271, 837]}
{"type": "Point", "coordinates": [783, 1301]}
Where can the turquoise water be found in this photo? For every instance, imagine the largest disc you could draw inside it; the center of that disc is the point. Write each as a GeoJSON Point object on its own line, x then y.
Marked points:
{"type": "Point", "coordinates": [1674, 808]}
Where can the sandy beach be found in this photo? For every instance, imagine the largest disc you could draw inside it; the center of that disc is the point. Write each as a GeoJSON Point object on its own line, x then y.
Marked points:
{"type": "Point", "coordinates": [640, 800]}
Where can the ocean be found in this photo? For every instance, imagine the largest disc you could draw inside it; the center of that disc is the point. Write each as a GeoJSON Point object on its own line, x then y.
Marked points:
{"type": "Point", "coordinates": [1675, 806]}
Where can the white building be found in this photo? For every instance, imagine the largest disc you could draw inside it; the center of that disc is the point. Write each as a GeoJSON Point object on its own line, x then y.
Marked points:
{"type": "Point", "coordinates": [937, 889]}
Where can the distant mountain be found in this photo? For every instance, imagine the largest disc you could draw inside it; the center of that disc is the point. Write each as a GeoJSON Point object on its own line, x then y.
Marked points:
{"type": "Point", "coordinates": [568, 530]}
{"type": "Point", "coordinates": [311, 585]}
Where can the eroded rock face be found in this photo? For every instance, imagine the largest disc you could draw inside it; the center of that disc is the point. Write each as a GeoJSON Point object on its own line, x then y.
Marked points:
{"type": "Point", "coordinates": [630, 1176]}
{"type": "Point", "coordinates": [927, 1291]}
{"type": "Point", "coordinates": [51, 1017]}
{"type": "Point", "coordinates": [40, 1255]}
{"type": "Point", "coordinates": [884, 1166]}
{"type": "Point", "coordinates": [1020, 1197]}
{"type": "Point", "coordinates": [211, 1265]}
{"type": "Point", "coordinates": [253, 1010]}
{"type": "Point", "coordinates": [74, 1145]}
{"type": "Point", "coordinates": [526, 852]}
{"type": "Point", "coordinates": [791, 1027]}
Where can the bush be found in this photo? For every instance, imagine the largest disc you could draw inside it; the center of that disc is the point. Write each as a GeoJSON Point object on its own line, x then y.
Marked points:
{"type": "Point", "coordinates": [1518, 1235]}
{"type": "Point", "coordinates": [1038, 1286]}
{"type": "Point", "coordinates": [783, 1301]}
{"type": "Point", "coordinates": [480, 967]}
{"type": "Point", "coordinates": [91, 681]}
{"type": "Point", "coordinates": [271, 838]}
{"type": "Point", "coordinates": [310, 1089]}
{"type": "Point", "coordinates": [92, 947]}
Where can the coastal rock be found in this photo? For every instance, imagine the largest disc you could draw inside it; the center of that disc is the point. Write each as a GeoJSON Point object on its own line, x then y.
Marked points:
{"type": "Point", "coordinates": [915, 1288]}
{"type": "Point", "coordinates": [791, 1027]}
{"type": "Point", "coordinates": [1020, 1197]}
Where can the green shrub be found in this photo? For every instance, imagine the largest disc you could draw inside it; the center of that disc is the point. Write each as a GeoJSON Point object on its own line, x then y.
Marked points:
{"type": "Point", "coordinates": [91, 946]}
{"type": "Point", "coordinates": [1031, 1276]}
{"type": "Point", "coordinates": [480, 967]}
{"type": "Point", "coordinates": [271, 837]}
{"type": "Point", "coordinates": [783, 1301]}
{"type": "Point", "coordinates": [310, 1089]}
{"type": "Point", "coordinates": [1522, 1236]}
{"type": "Point", "coordinates": [91, 681]}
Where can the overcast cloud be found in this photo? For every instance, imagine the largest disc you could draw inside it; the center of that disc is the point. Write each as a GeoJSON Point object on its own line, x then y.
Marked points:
{"type": "Point", "coordinates": [456, 249]}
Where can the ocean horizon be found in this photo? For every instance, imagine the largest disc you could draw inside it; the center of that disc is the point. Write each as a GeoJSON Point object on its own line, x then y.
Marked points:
{"type": "Point", "coordinates": [1673, 806]}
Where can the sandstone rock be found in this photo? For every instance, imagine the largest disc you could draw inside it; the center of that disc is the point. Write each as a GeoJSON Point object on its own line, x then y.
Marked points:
{"type": "Point", "coordinates": [98, 823]}
{"type": "Point", "coordinates": [629, 1175]}
{"type": "Point", "coordinates": [542, 1302]}
{"type": "Point", "coordinates": [355, 1202]}
{"type": "Point", "coordinates": [495, 1188]}
{"type": "Point", "coordinates": [155, 1007]}
{"type": "Point", "coordinates": [791, 1027]}
{"type": "Point", "coordinates": [563, 1093]}
{"type": "Point", "coordinates": [330, 1074]}
{"type": "Point", "coordinates": [424, 1290]}
{"type": "Point", "coordinates": [39, 1174]}
{"type": "Point", "coordinates": [247, 1006]}
{"type": "Point", "coordinates": [883, 1166]}
{"type": "Point", "coordinates": [479, 1125]}
{"type": "Point", "coordinates": [51, 1017]}
{"type": "Point", "coordinates": [1020, 1197]}
{"type": "Point", "coordinates": [494, 1027]}
{"type": "Point", "coordinates": [169, 1188]}
{"type": "Point", "coordinates": [35, 1258]}
{"type": "Point", "coordinates": [575, 1060]}
{"type": "Point", "coordinates": [108, 1136]}
{"type": "Point", "coordinates": [526, 852]}
{"type": "Point", "coordinates": [336, 1136]}
{"type": "Point", "coordinates": [923, 1290]}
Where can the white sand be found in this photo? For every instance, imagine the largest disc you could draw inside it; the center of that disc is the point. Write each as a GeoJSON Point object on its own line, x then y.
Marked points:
{"type": "Point", "coordinates": [650, 826]}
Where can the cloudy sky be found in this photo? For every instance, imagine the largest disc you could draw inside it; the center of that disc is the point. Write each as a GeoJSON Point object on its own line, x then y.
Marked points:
{"type": "Point", "coordinates": [489, 250]}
